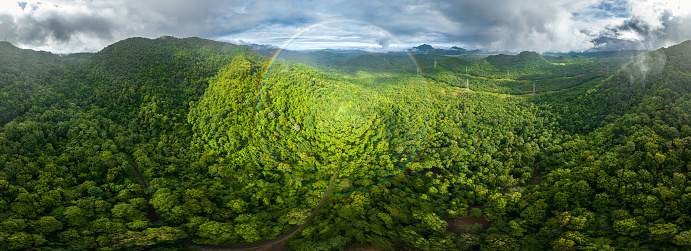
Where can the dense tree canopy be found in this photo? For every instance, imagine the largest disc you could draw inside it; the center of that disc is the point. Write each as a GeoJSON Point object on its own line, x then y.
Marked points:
{"type": "Point", "coordinates": [233, 151]}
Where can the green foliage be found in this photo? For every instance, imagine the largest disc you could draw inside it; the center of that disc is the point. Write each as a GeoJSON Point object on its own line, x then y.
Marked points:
{"type": "Point", "coordinates": [308, 121]}
{"type": "Point", "coordinates": [593, 161]}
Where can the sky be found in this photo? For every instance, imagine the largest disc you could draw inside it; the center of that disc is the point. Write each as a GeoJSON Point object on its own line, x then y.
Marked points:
{"type": "Point", "coordinates": [69, 26]}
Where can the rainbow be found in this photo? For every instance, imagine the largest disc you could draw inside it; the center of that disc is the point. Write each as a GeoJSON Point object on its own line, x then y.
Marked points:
{"type": "Point", "coordinates": [278, 52]}
{"type": "Point", "coordinates": [339, 20]}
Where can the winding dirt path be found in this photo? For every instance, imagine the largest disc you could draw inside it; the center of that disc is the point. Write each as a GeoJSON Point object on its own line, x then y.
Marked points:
{"type": "Point", "coordinates": [153, 216]}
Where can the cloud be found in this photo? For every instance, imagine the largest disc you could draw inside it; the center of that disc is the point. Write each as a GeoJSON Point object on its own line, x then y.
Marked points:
{"type": "Point", "coordinates": [642, 67]}
{"type": "Point", "coordinates": [653, 24]}
{"type": "Point", "coordinates": [43, 25]}
{"type": "Point", "coordinates": [80, 25]}
{"type": "Point", "coordinates": [534, 25]}
{"type": "Point", "coordinates": [383, 41]}
{"type": "Point", "coordinates": [495, 25]}
{"type": "Point", "coordinates": [503, 25]}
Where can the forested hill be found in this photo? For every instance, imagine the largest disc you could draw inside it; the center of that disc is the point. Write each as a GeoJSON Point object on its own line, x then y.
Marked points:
{"type": "Point", "coordinates": [659, 73]}
{"type": "Point", "coordinates": [70, 124]}
{"type": "Point", "coordinates": [149, 80]}
{"type": "Point", "coordinates": [524, 59]}
{"type": "Point", "coordinates": [369, 62]}
{"type": "Point", "coordinates": [521, 66]}
{"type": "Point", "coordinates": [455, 64]}
{"type": "Point", "coordinates": [593, 160]}
{"type": "Point", "coordinates": [652, 83]}
{"type": "Point", "coordinates": [21, 57]}
{"type": "Point", "coordinates": [628, 177]}
{"type": "Point", "coordinates": [25, 79]}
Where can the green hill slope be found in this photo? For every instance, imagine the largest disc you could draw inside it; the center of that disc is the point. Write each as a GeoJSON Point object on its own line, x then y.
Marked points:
{"type": "Point", "coordinates": [455, 64]}
{"type": "Point", "coordinates": [524, 65]}
{"type": "Point", "coordinates": [594, 163]}
{"type": "Point", "coordinates": [150, 81]}
{"type": "Point", "coordinates": [125, 104]}
{"type": "Point", "coordinates": [641, 141]}
{"type": "Point", "coordinates": [26, 79]}
{"type": "Point", "coordinates": [525, 59]}
{"type": "Point", "coordinates": [657, 77]}
{"type": "Point", "coordinates": [370, 63]}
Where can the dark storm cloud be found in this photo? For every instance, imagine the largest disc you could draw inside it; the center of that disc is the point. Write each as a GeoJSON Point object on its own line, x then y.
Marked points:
{"type": "Point", "coordinates": [42, 26]}
{"type": "Point", "coordinates": [520, 25]}
{"type": "Point", "coordinates": [62, 28]}
{"type": "Point", "coordinates": [383, 42]}
{"type": "Point", "coordinates": [638, 33]}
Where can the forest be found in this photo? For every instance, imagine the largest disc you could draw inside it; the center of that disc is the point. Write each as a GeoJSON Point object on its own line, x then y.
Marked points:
{"type": "Point", "coordinates": [179, 144]}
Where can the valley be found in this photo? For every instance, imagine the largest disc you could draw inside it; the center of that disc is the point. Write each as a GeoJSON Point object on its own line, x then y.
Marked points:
{"type": "Point", "coordinates": [570, 151]}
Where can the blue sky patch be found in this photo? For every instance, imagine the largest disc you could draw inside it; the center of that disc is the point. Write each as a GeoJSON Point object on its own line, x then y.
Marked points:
{"type": "Point", "coordinates": [615, 8]}
{"type": "Point", "coordinates": [604, 10]}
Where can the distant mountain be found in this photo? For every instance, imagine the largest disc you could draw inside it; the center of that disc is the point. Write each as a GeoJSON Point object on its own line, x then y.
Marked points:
{"type": "Point", "coordinates": [423, 48]}
{"type": "Point", "coordinates": [258, 47]}
{"type": "Point", "coordinates": [523, 60]}
{"type": "Point", "coordinates": [323, 59]}
{"type": "Point", "coordinates": [454, 50]}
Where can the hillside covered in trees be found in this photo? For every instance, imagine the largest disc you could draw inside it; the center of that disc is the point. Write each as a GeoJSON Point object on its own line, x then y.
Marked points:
{"type": "Point", "coordinates": [153, 144]}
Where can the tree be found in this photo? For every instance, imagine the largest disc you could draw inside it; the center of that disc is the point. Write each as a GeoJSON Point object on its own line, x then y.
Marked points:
{"type": "Point", "coordinates": [74, 216]}
{"type": "Point", "coordinates": [683, 238]}
{"type": "Point", "coordinates": [217, 232]}
{"type": "Point", "coordinates": [47, 224]}
{"type": "Point", "coordinates": [18, 240]}
{"type": "Point", "coordinates": [663, 232]}
{"type": "Point", "coordinates": [629, 226]}
{"type": "Point", "coordinates": [500, 242]}
{"type": "Point", "coordinates": [247, 232]}
{"type": "Point", "coordinates": [495, 208]}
